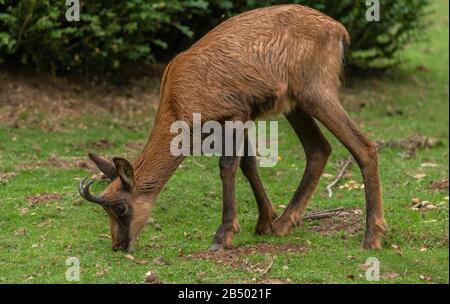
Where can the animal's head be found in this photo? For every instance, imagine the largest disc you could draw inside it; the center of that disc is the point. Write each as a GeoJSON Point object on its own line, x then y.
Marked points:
{"type": "Point", "coordinates": [128, 209]}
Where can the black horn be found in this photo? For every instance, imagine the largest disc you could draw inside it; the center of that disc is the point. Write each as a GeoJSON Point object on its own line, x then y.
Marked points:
{"type": "Point", "coordinates": [86, 194]}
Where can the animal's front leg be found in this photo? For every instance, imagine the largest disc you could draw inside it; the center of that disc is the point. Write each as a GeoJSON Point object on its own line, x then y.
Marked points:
{"type": "Point", "coordinates": [230, 226]}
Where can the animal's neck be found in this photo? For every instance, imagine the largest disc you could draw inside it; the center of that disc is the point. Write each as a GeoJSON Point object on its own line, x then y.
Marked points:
{"type": "Point", "coordinates": [156, 164]}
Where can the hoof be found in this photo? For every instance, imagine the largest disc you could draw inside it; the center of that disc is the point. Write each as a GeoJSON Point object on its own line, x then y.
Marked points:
{"type": "Point", "coordinates": [215, 248]}
{"type": "Point", "coordinates": [371, 246]}
{"type": "Point", "coordinates": [263, 228]}
{"type": "Point", "coordinates": [374, 235]}
{"type": "Point", "coordinates": [281, 227]}
{"type": "Point", "coordinates": [371, 243]}
{"type": "Point", "coordinates": [224, 236]}
{"type": "Point", "coordinates": [264, 225]}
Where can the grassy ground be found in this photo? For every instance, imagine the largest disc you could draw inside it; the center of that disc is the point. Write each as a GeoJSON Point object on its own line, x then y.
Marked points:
{"type": "Point", "coordinates": [43, 220]}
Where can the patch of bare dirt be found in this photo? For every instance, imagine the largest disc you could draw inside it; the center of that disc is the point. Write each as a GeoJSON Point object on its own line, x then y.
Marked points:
{"type": "Point", "coordinates": [46, 101]}
{"type": "Point", "coordinates": [349, 221]}
{"type": "Point", "coordinates": [268, 281]}
{"type": "Point", "coordinates": [100, 144]}
{"type": "Point", "coordinates": [61, 163]}
{"type": "Point", "coordinates": [439, 185]}
{"type": "Point", "coordinates": [411, 144]}
{"type": "Point", "coordinates": [152, 278]}
{"type": "Point", "coordinates": [6, 177]}
{"type": "Point", "coordinates": [43, 198]}
{"type": "Point", "coordinates": [237, 257]}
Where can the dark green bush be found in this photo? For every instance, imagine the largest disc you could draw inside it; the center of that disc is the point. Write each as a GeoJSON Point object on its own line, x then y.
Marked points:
{"type": "Point", "coordinates": [111, 33]}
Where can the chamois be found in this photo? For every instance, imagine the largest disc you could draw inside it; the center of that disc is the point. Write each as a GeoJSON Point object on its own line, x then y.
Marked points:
{"type": "Point", "coordinates": [284, 59]}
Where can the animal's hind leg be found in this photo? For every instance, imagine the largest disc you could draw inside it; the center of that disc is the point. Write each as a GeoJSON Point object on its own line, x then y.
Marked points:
{"type": "Point", "coordinates": [327, 109]}
{"type": "Point", "coordinates": [317, 150]}
{"type": "Point", "coordinates": [265, 208]}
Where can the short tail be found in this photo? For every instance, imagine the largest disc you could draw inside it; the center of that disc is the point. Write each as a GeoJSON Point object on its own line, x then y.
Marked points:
{"type": "Point", "coordinates": [345, 37]}
{"type": "Point", "coordinates": [345, 49]}
{"type": "Point", "coordinates": [345, 42]}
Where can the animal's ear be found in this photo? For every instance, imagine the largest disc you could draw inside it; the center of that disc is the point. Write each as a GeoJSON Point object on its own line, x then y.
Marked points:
{"type": "Point", "coordinates": [125, 171]}
{"type": "Point", "coordinates": [103, 165]}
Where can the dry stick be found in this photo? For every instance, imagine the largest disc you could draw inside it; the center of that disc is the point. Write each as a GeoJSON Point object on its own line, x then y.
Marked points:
{"type": "Point", "coordinates": [333, 212]}
{"type": "Point", "coordinates": [339, 176]}
{"type": "Point", "coordinates": [268, 267]}
{"type": "Point", "coordinates": [322, 214]}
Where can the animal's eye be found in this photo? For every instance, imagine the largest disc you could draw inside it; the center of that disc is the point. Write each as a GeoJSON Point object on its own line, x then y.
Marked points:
{"type": "Point", "coordinates": [121, 210]}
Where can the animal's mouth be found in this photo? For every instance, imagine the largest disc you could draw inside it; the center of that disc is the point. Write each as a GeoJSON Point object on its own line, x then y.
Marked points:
{"type": "Point", "coordinates": [130, 247]}
{"type": "Point", "coordinates": [120, 248]}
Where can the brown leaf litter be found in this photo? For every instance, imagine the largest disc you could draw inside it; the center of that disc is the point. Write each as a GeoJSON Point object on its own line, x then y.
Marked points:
{"type": "Point", "coordinates": [6, 177]}
{"type": "Point", "coordinates": [100, 144]}
{"type": "Point", "coordinates": [268, 281]}
{"type": "Point", "coordinates": [422, 205]}
{"type": "Point", "coordinates": [61, 163]}
{"type": "Point", "coordinates": [411, 144]}
{"type": "Point", "coordinates": [439, 185]}
{"type": "Point", "coordinates": [38, 99]}
{"type": "Point", "coordinates": [349, 221]}
{"type": "Point", "coordinates": [152, 278]}
{"type": "Point", "coordinates": [43, 198]}
{"type": "Point", "coordinates": [237, 257]}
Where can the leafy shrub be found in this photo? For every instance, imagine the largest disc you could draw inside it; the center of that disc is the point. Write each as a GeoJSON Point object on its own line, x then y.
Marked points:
{"type": "Point", "coordinates": [35, 32]}
{"type": "Point", "coordinates": [113, 32]}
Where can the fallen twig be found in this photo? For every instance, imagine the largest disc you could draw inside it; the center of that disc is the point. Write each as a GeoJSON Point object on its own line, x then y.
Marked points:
{"type": "Point", "coordinates": [339, 176]}
{"type": "Point", "coordinates": [266, 270]}
{"type": "Point", "coordinates": [322, 214]}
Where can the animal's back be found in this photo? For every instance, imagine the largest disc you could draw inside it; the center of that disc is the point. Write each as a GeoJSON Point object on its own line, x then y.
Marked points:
{"type": "Point", "coordinates": [293, 21]}
{"type": "Point", "coordinates": [251, 61]}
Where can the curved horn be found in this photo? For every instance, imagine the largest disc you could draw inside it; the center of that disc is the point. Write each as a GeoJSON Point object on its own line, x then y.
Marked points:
{"type": "Point", "coordinates": [86, 194]}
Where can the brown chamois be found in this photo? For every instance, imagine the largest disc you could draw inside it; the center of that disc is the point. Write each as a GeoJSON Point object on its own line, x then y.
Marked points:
{"type": "Point", "coordinates": [284, 59]}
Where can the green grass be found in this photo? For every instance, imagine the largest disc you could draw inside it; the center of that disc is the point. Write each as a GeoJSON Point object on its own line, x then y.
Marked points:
{"type": "Point", "coordinates": [189, 213]}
